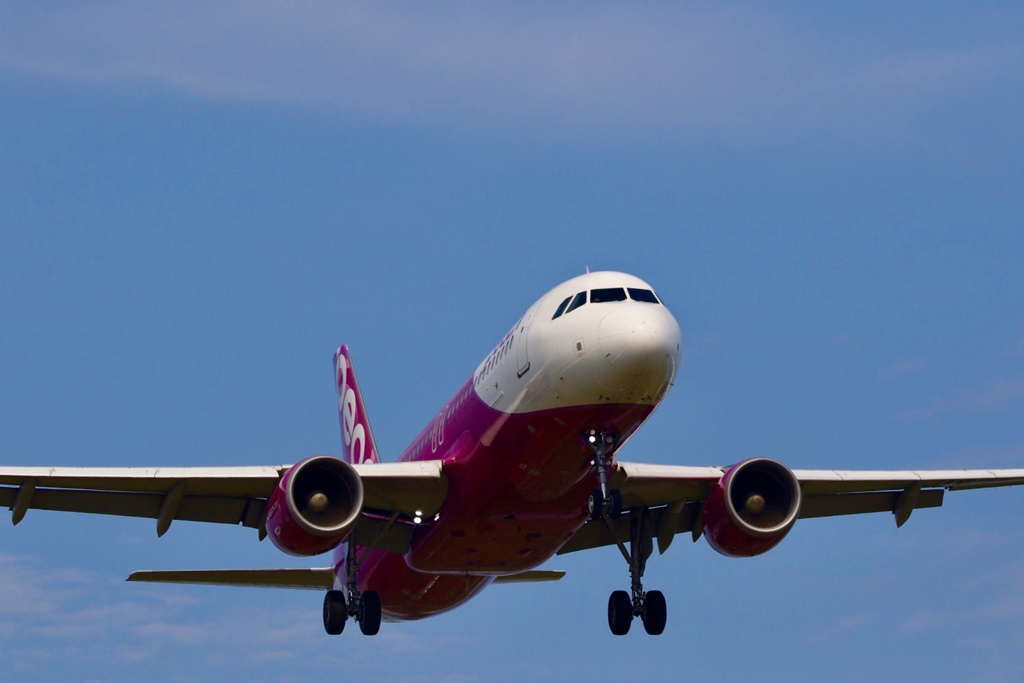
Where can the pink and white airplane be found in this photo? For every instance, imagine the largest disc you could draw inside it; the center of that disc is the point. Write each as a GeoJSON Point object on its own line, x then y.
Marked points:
{"type": "Point", "coordinates": [518, 466]}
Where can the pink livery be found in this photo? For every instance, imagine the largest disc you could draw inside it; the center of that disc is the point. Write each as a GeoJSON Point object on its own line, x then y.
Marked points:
{"type": "Point", "coordinates": [519, 465]}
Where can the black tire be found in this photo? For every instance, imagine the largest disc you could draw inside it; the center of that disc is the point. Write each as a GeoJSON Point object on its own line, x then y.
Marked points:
{"type": "Point", "coordinates": [595, 504]}
{"type": "Point", "coordinates": [655, 613]}
{"type": "Point", "coordinates": [620, 612]}
{"type": "Point", "coordinates": [335, 613]}
{"type": "Point", "coordinates": [370, 623]}
{"type": "Point", "coordinates": [616, 497]}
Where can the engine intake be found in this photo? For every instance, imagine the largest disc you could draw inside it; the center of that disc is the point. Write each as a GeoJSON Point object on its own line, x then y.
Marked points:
{"type": "Point", "coordinates": [752, 508]}
{"type": "Point", "coordinates": [315, 506]}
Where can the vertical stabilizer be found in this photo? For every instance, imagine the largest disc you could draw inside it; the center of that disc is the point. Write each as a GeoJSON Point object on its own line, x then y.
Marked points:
{"type": "Point", "coordinates": [357, 439]}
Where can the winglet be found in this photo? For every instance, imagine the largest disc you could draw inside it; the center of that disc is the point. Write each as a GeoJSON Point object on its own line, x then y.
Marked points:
{"type": "Point", "coordinates": [357, 439]}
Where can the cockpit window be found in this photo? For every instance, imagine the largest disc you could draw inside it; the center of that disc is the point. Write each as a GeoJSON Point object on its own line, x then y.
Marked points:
{"type": "Point", "coordinates": [644, 295]}
{"type": "Point", "coordinates": [603, 296]}
{"type": "Point", "coordinates": [577, 301]}
{"type": "Point", "coordinates": [561, 307]}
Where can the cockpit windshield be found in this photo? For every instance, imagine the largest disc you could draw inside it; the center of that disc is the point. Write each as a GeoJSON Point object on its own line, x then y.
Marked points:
{"type": "Point", "coordinates": [577, 301]}
{"type": "Point", "coordinates": [644, 295]}
{"type": "Point", "coordinates": [561, 307]}
{"type": "Point", "coordinates": [603, 296]}
{"type": "Point", "coordinates": [608, 295]}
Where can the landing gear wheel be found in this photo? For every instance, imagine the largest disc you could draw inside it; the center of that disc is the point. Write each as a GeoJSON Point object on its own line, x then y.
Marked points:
{"type": "Point", "coordinates": [335, 612]}
{"type": "Point", "coordinates": [655, 613]}
{"type": "Point", "coordinates": [620, 612]}
{"type": "Point", "coordinates": [596, 504]}
{"type": "Point", "coordinates": [616, 497]}
{"type": "Point", "coordinates": [369, 622]}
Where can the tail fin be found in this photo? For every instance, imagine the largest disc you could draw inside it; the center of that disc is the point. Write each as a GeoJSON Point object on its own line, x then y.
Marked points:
{"type": "Point", "coordinates": [359, 446]}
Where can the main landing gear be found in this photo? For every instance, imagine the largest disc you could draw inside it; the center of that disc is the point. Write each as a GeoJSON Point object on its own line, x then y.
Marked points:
{"type": "Point", "coordinates": [363, 606]}
{"type": "Point", "coordinates": [650, 606]}
{"type": "Point", "coordinates": [606, 504]}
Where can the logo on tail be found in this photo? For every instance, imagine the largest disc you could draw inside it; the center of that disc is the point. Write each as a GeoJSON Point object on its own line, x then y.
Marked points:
{"type": "Point", "coordinates": [356, 436]}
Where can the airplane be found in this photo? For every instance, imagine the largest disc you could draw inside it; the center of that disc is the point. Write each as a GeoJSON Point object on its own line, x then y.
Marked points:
{"type": "Point", "coordinates": [519, 465]}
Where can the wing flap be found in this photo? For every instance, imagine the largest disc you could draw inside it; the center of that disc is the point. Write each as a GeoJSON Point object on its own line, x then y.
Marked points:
{"type": "Point", "coordinates": [654, 485]}
{"type": "Point", "coordinates": [838, 504]}
{"type": "Point", "coordinates": [408, 487]}
{"type": "Point", "coordinates": [215, 509]}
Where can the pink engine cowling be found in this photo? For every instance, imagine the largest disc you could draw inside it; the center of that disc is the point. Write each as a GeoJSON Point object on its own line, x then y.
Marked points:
{"type": "Point", "coordinates": [315, 506]}
{"type": "Point", "coordinates": [752, 508]}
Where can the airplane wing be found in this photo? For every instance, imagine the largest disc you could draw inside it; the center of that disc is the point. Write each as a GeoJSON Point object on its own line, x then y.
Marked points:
{"type": "Point", "coordinates": [220, 495]}
{"type": "Point", "coordinates": [672, 496]}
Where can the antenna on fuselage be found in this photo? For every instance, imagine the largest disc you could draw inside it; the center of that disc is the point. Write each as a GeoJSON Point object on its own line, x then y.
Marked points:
{"type": "Point", "coordinates": [588, 269]}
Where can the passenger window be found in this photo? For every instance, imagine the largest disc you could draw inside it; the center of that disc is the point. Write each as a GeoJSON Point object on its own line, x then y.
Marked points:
{"type": "Point", "coordinates": [603, 296]}
{"type": "Point", "coordinates": [644, 295]}
{"type": "Point", "coordinates": [577, 301]}
{"type": "Point", "coordinates": [561, 307]}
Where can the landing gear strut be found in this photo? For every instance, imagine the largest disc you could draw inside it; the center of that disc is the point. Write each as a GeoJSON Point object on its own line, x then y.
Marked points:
{"type": "Point", "coordinates": [363, 606]}
{"type": "Point", "coordinates": [606, 505]}
{"type": "Point", "coordinates": [602, 500]}
{"type": "Point", "coordinates": [650, 606]}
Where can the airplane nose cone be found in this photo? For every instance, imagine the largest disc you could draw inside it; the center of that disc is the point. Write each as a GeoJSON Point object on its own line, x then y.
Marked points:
{"type": "Point", "coordinates": [641, 345]}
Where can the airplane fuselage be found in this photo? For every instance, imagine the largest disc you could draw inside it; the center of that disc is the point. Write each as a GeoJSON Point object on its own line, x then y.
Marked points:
{"type": "Point", "coordinates": [597, 353]}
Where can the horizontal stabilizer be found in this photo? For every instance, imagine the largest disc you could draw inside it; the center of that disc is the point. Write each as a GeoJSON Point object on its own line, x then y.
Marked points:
{"type": "Point", "coordinates": [314, 579]}
{"type": "Point", "coordinates": [536, 575]}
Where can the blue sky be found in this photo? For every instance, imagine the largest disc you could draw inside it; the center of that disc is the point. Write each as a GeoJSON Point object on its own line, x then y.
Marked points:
{"type": "Point", "coordinates": [197, 205]}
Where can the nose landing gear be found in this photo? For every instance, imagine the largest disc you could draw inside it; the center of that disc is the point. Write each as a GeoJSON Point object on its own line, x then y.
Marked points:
{"type": "Point", "coordinates": [602, 500]}
{"type": "Point", "coordinates": [606, 505]}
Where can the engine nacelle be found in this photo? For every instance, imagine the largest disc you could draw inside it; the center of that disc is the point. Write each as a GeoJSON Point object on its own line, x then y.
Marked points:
{"type": "Point", "coordinates": [315, 506]}
{"type": "Point", "coordinates": [752, 508]}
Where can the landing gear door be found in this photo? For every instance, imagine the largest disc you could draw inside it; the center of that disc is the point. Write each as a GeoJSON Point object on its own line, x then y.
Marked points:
{"type": "Point", "coordinates": [522, 335]}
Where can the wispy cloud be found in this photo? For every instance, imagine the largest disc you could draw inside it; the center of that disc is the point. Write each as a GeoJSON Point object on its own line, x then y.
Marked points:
{"type": "Point", "coordinates": [27, 590]}
{"type": "Point", "coordinates": [990, 395]}
{"type": "Point", "coordinates": [71, 610]}
{"type": "Point", "coordinates": [999, 600]}
{"type": "Point", "coordinates": [1010, 454]}
{"type": "Point", "coordinates": [571, 67]}
{"type": "Point", "coordinates": [938, 70]}
{"type": "Point", "coordinates": [843, 626]}
{"type": "Point", "coordinates": [50, 615]}
{"type": "Point", "coordinates": [1015, 348]}
{"type": "Point", "coordinates": [902, 367]}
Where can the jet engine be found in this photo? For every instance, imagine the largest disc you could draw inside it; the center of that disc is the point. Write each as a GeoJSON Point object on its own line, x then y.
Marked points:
{"type": "Point", "coordinates": [752, 508]}
{"type": "Point", "coordinates": [315, 506]}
